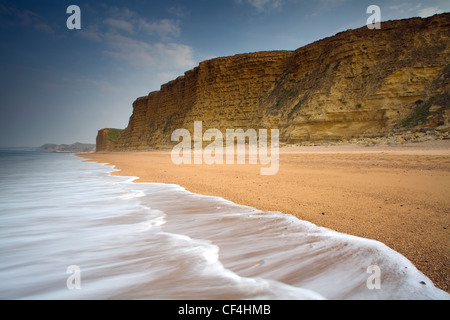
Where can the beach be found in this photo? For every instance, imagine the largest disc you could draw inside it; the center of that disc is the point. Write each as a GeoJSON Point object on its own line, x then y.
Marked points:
{"type": "Point", "coordinates": [397, 195]}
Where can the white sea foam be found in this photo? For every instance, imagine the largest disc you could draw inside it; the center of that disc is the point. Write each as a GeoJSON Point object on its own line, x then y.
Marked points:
{"type": "Point", "coordinates": [157, 241]}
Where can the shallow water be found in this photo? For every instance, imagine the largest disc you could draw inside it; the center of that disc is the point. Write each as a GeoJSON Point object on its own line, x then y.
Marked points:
{"type": "Point", "coordinates": [156, 241]}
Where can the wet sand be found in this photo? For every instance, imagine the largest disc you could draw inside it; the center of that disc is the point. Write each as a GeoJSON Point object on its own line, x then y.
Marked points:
{"type": "Point", "coordinates": [398, 195]}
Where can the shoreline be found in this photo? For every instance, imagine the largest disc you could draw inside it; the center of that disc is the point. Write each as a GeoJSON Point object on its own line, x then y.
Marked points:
{"type": "Point", "coordinates": [397, 195]}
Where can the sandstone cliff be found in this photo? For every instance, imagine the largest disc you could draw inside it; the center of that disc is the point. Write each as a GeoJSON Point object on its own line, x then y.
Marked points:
{"type": "Point", "coordinates": [358, 83]}
{"type": "Point", "coordinates": [107, 139]}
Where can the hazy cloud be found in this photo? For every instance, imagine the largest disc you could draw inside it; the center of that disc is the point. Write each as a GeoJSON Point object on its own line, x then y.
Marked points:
{"type": "Point", "coordinates": [124, 19]}
{"type": "Point", "coordinates": [13, 17]}
{"type": "Point", "coordinates": [407, 9]}
{"type": "Point", "coordinates": [179, 11]}
{"type": "Point", "coordinates": [403, 8]}
{"type": "Point", "coordinates": [119, 24]}
{"type": "Point", "coordinates": [263, 5]}
{"type": "Point", "coordinates": [149, 55]}
{"type": "Point", "coordinates": [124, 34]}
{"type": "Point", "coordinates": [165, 28]}
{"type": "Point", "coordinates": [328, 5]}
{"type": "Point", "coordinates": [122, 13]}
{"type": "Point", "coordinates": [91, 33]}
{"type": "Point", "coordinates": [430, 11]}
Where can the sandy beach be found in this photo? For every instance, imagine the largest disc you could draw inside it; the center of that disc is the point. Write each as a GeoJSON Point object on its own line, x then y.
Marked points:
{"type": "Point", "coordinates": [398, 195]}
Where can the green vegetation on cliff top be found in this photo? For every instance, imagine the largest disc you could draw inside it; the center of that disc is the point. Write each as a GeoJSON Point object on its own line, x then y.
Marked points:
{"type": "Point", "coordinates": [114, 134]}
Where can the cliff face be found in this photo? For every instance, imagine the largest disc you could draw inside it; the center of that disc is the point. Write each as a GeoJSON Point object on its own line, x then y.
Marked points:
{"type": "Point", "coordinates": [224, 93]}
{"type": "Point", "coordinates": [362, 83]}
{"type": "Point", "coordinates": [358, 83]}
{"type": "Point", "coordinates": [105, 140]}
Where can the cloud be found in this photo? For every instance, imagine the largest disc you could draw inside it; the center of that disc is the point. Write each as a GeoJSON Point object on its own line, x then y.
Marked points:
{"type": "Point", "coordinates": [149, 55]}
{"type": "Point", "coordinates": [13, 17]}
{"type": "Point", "coordinates": [165, 28]}
{"type": "Point", "coordinates": [120, 13]}
{"type": "Point", "coordinates": [263, 5]}
{"type": "Point", "coordinates": [328, 5]}
{"type": "Point", "coordinates": [91, 33]}
{"type": "Point", "coordinates": [179, 11]}
{"type": "Point", "coordinates": [43, 27]}
{"type": "Point", "coordinates": [125, 36]}
{"type": "Point", "coordinates": [407, 9]}
{"type": "Point", "coordinates": [119, 24]}
{"type": "Point", "coordinates": [430, 11]}
{"type": "Point", "coordinates": [124, 19]}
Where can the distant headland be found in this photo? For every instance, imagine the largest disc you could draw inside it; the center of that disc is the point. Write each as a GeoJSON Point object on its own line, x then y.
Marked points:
{"type": "Point", "coordinates": [73, 148]}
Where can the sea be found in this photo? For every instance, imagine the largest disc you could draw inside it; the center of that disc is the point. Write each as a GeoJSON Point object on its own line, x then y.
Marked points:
{"type": "Point", "coordinates": [69, 230]}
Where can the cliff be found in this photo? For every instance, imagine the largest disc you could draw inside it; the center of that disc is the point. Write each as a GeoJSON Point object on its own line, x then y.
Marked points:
{"type": "Point", "coordinates": [107, 139]}
{"type": "Point", "coordinates": [358, 83]}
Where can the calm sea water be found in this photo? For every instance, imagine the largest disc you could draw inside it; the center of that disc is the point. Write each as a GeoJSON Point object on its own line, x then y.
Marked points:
{"type": "Point", "coordinates": [70, 230]}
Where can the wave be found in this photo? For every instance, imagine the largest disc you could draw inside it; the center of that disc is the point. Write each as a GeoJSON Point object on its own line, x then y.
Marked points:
{"type": "Point", "coordinates": [158, 241]}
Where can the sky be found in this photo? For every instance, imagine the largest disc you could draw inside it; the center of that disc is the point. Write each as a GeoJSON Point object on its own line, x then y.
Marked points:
{"type": "Point", "coordinates": [61, 85]}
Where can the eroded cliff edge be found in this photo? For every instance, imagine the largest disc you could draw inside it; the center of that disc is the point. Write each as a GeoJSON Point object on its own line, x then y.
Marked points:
{"type": "Point", "coordinates": [358, 83]}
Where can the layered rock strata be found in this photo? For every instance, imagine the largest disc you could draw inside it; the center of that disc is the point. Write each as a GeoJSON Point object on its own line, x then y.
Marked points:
{"type": "Point", "coordinates": [357, 84]}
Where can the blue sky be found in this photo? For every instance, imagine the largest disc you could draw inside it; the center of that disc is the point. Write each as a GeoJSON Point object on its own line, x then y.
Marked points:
{"type": "Point", "coordinates": [61, 86]}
